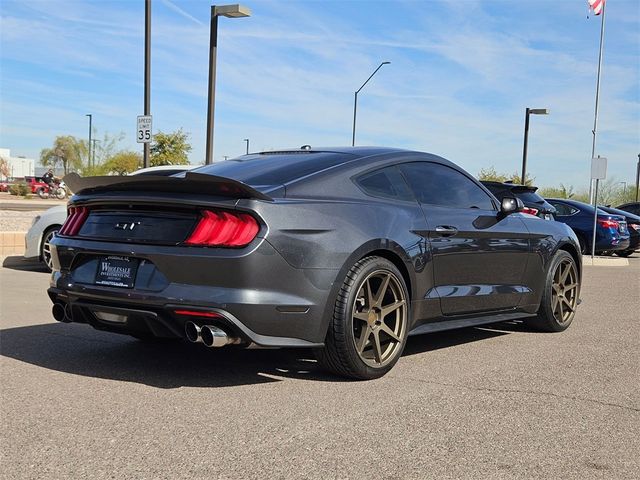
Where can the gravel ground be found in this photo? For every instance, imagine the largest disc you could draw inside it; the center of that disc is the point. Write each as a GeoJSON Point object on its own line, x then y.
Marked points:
{"type": "Point", "coordinates": [11, 221]}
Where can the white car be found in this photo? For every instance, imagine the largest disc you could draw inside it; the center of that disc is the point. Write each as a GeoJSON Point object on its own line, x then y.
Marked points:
{"type": "Point", "coordinates": [46, 225]}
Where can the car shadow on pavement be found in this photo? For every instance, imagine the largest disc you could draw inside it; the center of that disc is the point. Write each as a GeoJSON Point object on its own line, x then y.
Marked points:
{"type": "Point", "coordinates": [17, 262]}
{"type": "Point", "coordinates": [80, 350]}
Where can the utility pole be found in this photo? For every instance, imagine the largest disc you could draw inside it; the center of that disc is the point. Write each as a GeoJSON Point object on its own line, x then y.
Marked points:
{"type": "Point", "coordinates": [637, 177]}
{"type": "Point", "coordinates": [89, 153]}
{"type": "Point", "coordinates": [147, 72]}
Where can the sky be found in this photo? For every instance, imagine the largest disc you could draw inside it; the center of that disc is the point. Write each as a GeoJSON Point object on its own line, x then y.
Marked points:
{"type": "Point", "coordinates": [462, 73]}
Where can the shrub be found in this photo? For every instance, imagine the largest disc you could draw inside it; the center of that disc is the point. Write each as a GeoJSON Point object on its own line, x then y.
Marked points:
{"type": "Point", "coordinates": [19, 189]}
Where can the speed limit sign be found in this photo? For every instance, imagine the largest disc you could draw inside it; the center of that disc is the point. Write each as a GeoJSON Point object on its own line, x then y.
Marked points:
{"type": "Point", "coordinates": [143, 132]}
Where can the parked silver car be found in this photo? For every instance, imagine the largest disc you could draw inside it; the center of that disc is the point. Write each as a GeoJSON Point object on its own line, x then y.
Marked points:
{"type": "Point", "coordinates": [46, 225]}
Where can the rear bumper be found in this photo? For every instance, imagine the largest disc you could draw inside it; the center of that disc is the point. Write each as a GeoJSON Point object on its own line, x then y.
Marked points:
{"type": "Point", "coordinates": [261, 298]}
{"type": "Point", "coordinates": [613, 244]}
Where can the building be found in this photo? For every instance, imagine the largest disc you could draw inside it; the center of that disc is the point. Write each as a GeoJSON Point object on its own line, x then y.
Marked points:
{"type": "Point", "coordinates": [18, 166]}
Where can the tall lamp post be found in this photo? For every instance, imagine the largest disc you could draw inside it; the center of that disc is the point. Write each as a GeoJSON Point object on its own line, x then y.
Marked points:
{"type": "Point", "coordinates": [230, 11]}
{"type": "Point", "coordinates": [93, 150]}
{"type": "Point", "coordinates": [529, 111]}
{"type": "Point", "coordinates": [355, 101]}
{"type": "Point", "coordinates": [147, 74]}
{"type": "Point", "coordinates": [247, 140]}
{"type": "Point", "coordinates": [624, 189]}
{"type": "Point", "coordinates": [638, 177]}
{"type": "Point", "coordinates": [89, 153]}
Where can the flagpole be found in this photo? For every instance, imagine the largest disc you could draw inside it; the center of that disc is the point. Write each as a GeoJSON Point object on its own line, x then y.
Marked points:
{"type": "Point", "coordinates": [595, 116]}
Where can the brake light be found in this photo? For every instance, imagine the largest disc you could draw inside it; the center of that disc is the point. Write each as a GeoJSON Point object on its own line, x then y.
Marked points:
{"type": "Point", "coordinates": [530, 211]}
{"type": "Point", "coordinates": [75, 219]}
{"type": "Point", "coordinates": [224, 229]}
{"type": "Point", "coordinates": [608, 223]}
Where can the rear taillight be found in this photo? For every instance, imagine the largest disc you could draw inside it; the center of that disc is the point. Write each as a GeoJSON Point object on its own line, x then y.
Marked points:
{"type": "Point", "coordinates": [75, 219]}
{"type": "Point", "coordinates": [530, 211]}
{"type": "Point", "coordinates": [224, 229]}
{"type": "Point", "coordinates": [608, 223]}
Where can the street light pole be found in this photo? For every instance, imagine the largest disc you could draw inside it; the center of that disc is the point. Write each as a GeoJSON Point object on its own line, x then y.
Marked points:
{"type": "Point", "coordinates": [247, 140]}
{"type": "Point", "coordinates": [89, 153]}
{"type": "Point", "coordinates": [528, 112]}
{"type": "Point", "coordinates": [355, 101]}
{"type": "Point", "coordinates": [147, 73]}
{"type": "Point", "coordinates": [231, 11]}
{"type": "Point", "coordinates": [93, 151]}
{"type": "Point", "coordinates": [637, 177]}
{"type": "Point", "coordinates": [624, 188]}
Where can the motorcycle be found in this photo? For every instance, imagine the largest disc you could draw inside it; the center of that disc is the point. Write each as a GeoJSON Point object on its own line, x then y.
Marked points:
{"type": "Point", "coordinates": [55, 189]}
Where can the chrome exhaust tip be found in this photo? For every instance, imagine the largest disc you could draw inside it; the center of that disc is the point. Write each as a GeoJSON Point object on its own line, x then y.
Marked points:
{"type": "Point", "coordinates": [215, 337]}
{"type": "Point", "coordinates": [59, 312]}
{"type": "Point", "coordinates": [192, 332]}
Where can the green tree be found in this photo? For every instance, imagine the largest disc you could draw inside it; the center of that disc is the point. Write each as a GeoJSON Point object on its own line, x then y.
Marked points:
{"type": "Point", "coordinates": [122, 163]}
{"type": "Point", "coordinates": [102, 150]}
{"type": "Point", "coordinates": [4, 168]}
{"type": "Point", "coordinates": [170, 148]}
{"type": "Point", "coordinates": [557, 192]}
{"type": "Point", "coordinates": [67, 151]}
{"type": "Point", "coordinates": [491, 175]}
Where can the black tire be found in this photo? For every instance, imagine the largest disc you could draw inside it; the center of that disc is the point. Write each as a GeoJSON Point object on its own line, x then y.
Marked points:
{"type": "Point", "coordinates": [560, 296]}
{"type": "Point", "coordinates": [45, 252]}
{"type": "Point", "coordinates": [42, 194]}
{"type": "Point", "coordinates": [362, 316]}
{"type": "Point", "coordinates": [624, 253]}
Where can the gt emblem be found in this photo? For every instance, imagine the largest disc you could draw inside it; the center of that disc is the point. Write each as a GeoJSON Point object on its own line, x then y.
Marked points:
{"type": "Point", "coordinates": [126, 225]}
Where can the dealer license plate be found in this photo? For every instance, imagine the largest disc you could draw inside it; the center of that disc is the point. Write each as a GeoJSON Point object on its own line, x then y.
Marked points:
{"type": "Point", "coordinates": [117, 271]}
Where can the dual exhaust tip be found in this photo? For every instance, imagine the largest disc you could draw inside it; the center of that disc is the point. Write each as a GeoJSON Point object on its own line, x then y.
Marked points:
{"type": "Point", "coordinates": [60, 312]}
{"type": "Point", "coordinates": [210, 335]}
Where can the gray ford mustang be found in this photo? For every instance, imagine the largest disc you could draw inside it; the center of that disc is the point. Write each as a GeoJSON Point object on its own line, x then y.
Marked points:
{"type": "Point", "coordinates": [343, 250]}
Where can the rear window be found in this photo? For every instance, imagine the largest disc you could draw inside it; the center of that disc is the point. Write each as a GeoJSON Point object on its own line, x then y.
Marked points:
{"type": "Point", "coordinates": [274, 169]}
{"type": "Point", "coordinates": [387, 183]}
{"type": "Point", "coordinates": [531, 197]}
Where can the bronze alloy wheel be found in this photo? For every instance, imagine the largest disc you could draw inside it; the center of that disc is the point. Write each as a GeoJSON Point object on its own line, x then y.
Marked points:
{"type": "Point", "coordinates": [379, 318]}
{"type": "Point", "coordinates": [564, 294]}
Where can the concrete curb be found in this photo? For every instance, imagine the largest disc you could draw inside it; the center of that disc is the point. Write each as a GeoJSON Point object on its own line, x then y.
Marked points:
{"type": "Point", "coordinates": [12, 243]}
{"type": "Point", "coordinates": [604, 261]}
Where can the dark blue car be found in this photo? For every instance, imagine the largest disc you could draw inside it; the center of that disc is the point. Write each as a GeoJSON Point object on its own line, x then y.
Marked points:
{"type": "Point", "coordinates": [633, 225]}
{"type": "Point", "coordinates": [611, 230]}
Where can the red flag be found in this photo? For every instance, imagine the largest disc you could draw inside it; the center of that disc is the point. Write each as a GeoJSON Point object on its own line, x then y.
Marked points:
{"type": "Point", "coordinates": [596, 6]}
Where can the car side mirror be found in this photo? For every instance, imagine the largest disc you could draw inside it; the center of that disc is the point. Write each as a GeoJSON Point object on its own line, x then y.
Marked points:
{"type": "Point", "coordinates": [511, 205]}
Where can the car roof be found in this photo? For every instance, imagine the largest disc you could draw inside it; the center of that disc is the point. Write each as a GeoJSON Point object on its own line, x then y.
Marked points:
{"type": "Point", "coordinates": [617, 211]}
{"type": "Point", "coordinates": [282, 167]}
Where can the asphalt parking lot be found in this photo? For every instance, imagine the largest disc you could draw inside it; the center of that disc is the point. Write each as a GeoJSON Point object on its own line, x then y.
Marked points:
{"type": "Point", "coordinates": [495, 402]}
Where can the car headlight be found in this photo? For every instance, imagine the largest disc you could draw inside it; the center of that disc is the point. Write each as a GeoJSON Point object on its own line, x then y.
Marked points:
{"type": "Point", "coordinates": [35, 220]}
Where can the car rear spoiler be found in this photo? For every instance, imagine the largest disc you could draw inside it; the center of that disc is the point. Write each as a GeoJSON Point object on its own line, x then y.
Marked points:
{"type": "Point", "coordinates": [522, 188]}
{"type": "Point", "coordinates": [190, 183]}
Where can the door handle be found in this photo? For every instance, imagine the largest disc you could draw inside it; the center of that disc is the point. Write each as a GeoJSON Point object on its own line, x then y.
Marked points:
{"type": "Point", "coordinates": [446, 230]}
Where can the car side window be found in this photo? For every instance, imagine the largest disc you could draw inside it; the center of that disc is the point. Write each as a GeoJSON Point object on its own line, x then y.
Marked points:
{"type": "Point", "coordinates": [387, 183]}
{"type": "Point", "coordinates": [563, 210]}
{"type": "Point", "coordinates": [436, 184]}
